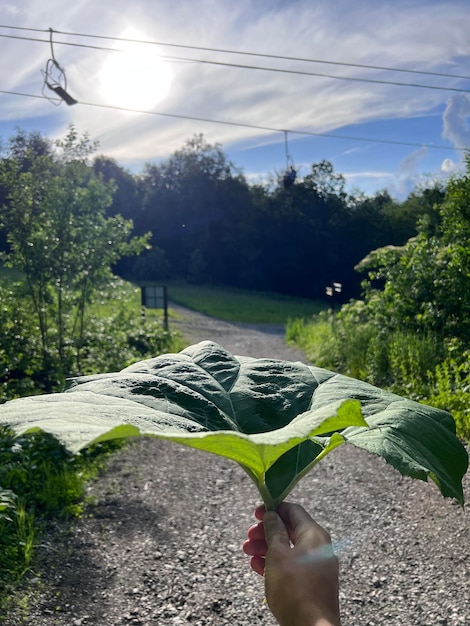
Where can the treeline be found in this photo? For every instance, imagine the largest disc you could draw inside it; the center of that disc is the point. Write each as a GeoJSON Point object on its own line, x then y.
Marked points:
{"type": "Point", "coordinates": [209, 225]}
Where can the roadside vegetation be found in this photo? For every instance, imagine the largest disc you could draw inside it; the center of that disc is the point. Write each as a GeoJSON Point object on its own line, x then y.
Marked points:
{"type": "Point", "coordinates": [62, 313]}
{"type": "Point", "coordinates": [411, 330]}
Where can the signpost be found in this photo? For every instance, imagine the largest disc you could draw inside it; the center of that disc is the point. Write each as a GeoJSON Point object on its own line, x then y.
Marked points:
{"type": "Point", "coordinates": [155, 297]}
{"type": "Point", "coordinates": [331, 290]}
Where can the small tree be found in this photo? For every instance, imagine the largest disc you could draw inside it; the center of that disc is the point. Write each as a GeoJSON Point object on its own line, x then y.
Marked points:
{"type": "Point", "coordinates": [425, 284]}
{"type": "Point", "coordinates": [60, 238]}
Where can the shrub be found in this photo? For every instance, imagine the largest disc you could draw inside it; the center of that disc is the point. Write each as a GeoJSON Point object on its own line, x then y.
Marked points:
{"type": "Point", "coordinates": [450, 390]}
{"type": "Point", "coordinates": [420, 366]}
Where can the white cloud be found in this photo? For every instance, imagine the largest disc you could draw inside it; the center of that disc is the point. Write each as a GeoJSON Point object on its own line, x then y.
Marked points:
{"type": "Point", "coordinates": [9, 9]}
{"type": "Point", "coordinates": [448, 166]}
{"type": "Point", "coordinates": [456, 119]}
{"type": "Point", "coordinates": [400, 183]}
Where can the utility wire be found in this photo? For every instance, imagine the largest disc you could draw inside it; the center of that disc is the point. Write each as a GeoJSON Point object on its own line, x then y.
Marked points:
{"type": "Point", "coordinates": [244, 125]}
{"type": "Point", "coordinates": [239, 52]}
{"type": "Point", "coordinates": [319, 74]}
{"type": "Point", "coordinates": [255, 67]}
{"type": "Point", "coordinates": [63, 43]}
{"type": "Point", "coordinates": [259, 68]}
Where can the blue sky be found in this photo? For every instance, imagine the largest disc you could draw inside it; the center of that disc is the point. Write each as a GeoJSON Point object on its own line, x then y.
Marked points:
{"type": "Point", "coordinates": [418, 35]}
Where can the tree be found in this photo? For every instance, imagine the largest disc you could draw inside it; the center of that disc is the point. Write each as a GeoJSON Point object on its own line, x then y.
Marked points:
{"type": "Point", "coordinates": [188, 203]}
{"type": "Point", "coordinates": [425, 284]}
{"type": "Point", "coordinates": [60, 239]}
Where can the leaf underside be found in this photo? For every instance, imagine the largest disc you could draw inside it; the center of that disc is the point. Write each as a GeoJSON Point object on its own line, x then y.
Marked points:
{"type": "Point", "coordinates": [275, 418]}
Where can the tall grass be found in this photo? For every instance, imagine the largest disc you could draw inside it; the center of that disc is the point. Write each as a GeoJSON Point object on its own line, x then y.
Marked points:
{"type": "Point", "coordinates": [419, 366]}
{"type": "Point", "coordinates": [39, 481]}
{"type": "Point", "coordinates": [328, 344]}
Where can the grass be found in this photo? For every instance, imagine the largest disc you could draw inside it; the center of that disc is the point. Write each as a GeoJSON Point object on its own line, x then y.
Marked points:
{"type": "Point", "coordinates": [230, 304]}
{"type": "Point", "coordinates": [239, 305]}
{"type": "Point", "coordinates": [39, 481]}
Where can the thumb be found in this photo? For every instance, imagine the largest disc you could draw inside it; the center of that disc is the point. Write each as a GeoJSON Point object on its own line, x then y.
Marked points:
{"type": "Point", "coordinates": [275, 531]}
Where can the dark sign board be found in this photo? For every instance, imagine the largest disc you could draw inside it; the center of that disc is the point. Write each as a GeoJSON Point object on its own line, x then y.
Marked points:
{"type": "Point", "coordinates": [154, 297]}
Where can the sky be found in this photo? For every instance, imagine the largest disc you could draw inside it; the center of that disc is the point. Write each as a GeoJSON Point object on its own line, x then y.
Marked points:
{"type": "Point", "coordinates": [324, 104]}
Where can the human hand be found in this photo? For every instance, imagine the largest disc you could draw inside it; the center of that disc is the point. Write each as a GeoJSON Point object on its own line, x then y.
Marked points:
{"type": "Point", "coordinates": [296, 558]}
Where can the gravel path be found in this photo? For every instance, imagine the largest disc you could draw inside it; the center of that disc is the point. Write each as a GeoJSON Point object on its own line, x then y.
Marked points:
{"type": "Point", "coordinates": [161, 543]}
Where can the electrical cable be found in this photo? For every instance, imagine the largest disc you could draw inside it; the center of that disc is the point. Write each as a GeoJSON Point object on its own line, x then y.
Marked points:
{"type": "Point", "coordinates": [252, 126]}
{"type": "Point", "coordinates": [258, 68]}
{"type": "Point", "coordinates": [63, 43]}
{"type": "Point", "coordinates": [239, 52]}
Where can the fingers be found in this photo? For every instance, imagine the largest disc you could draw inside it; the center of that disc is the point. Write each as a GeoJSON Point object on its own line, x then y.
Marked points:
{"type": "Point", "coordinates": [275, 531]}
{"type": "Point", "coordinates": [260, 511]}
{"type": "Point", "coordinates": [255, 548]}
{"type": "Point", "coordinates": [301, 527]}
{"type": "Point", "coordinates": [258, 564]}
{"type": "Point", "coordinates": [256, 532]}
{"type": "Point", "coordinates": [256, 542]}
{"type": "Point", "coordinates": [291, 525]}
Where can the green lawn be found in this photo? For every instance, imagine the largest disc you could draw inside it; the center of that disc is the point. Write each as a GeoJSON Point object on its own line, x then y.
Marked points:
{"type": "Point", "coordinates": [234, 305]}
{"type": "Point", "coordinates": [238, 305]}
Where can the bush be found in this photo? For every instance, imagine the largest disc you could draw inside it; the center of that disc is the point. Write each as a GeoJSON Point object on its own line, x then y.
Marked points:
{"type": "Point", "coordinates": [450, 390]}
{"type": "Point", "coordinates": [114, 342]}
{"type": "Point", "coordinates": [115, 335]}
{"type": "Point", "coordinates": [20, 345]}
{"type": "Point", "coordinates": [316, 338]}
{"type": "Point", "coordinates": [339, 343]}
{"type": "Point", "coordinates": [38, 478]}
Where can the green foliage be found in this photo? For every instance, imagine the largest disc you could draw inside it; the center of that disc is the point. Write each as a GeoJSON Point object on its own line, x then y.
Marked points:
{"type": "Point", "coordinates": [20, 346]}
{"type": "Point", "coordinates": [424, 285]}
{"type": "Point", "coordinates": [114, 335]}
{"type": "Point", "coordinates": [450, 388]}
{"type": "Point", "coordinates": [414, 318]}
{"type": "Point", "coordinates": [315, 336]}
{"type": "Point", "coordinates": [212, 227]}
{"type": "Point", "coordinates": [276, 419]}
{"type": "Point", "coordinates": [39, 479]}
{"type": "Point", "coordinates": [336, 342]}
{"type": "Point", "coordinates": [59, 237]}
{"type": "Point", "coordinates": [420, 365]}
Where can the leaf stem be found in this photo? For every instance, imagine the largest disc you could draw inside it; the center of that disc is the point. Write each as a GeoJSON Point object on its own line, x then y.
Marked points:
{"type": "Point", "coordinates": [270, 504]}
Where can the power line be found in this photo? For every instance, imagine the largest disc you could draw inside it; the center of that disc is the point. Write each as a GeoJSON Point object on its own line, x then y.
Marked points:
{"type": "Point", "coordinates": [63, 43]}
{"type": "Point", "coordinates": [240, 52]}
{"type": "Point", "coordinates": [319, 74]}
{"type": "Point", "coordinates": [250, 67]}
{"type": "Point", "coordinates": [194, 118]}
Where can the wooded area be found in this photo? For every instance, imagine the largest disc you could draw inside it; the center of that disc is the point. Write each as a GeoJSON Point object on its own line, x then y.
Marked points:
{"type": "Point", "coordinates": [209, 225]}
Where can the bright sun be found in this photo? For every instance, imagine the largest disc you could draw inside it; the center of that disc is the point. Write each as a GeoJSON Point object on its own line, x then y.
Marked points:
{"type": "Point", "coordinates": [135, 77]}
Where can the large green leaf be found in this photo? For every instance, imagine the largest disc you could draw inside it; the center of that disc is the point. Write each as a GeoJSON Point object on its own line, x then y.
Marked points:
{"type": "Point", "coordinates": [275, 418]}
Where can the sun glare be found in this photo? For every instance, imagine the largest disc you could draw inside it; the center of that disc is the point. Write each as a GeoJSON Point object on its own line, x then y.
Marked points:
{"type": "Point", "coordinates": [135, 77]}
